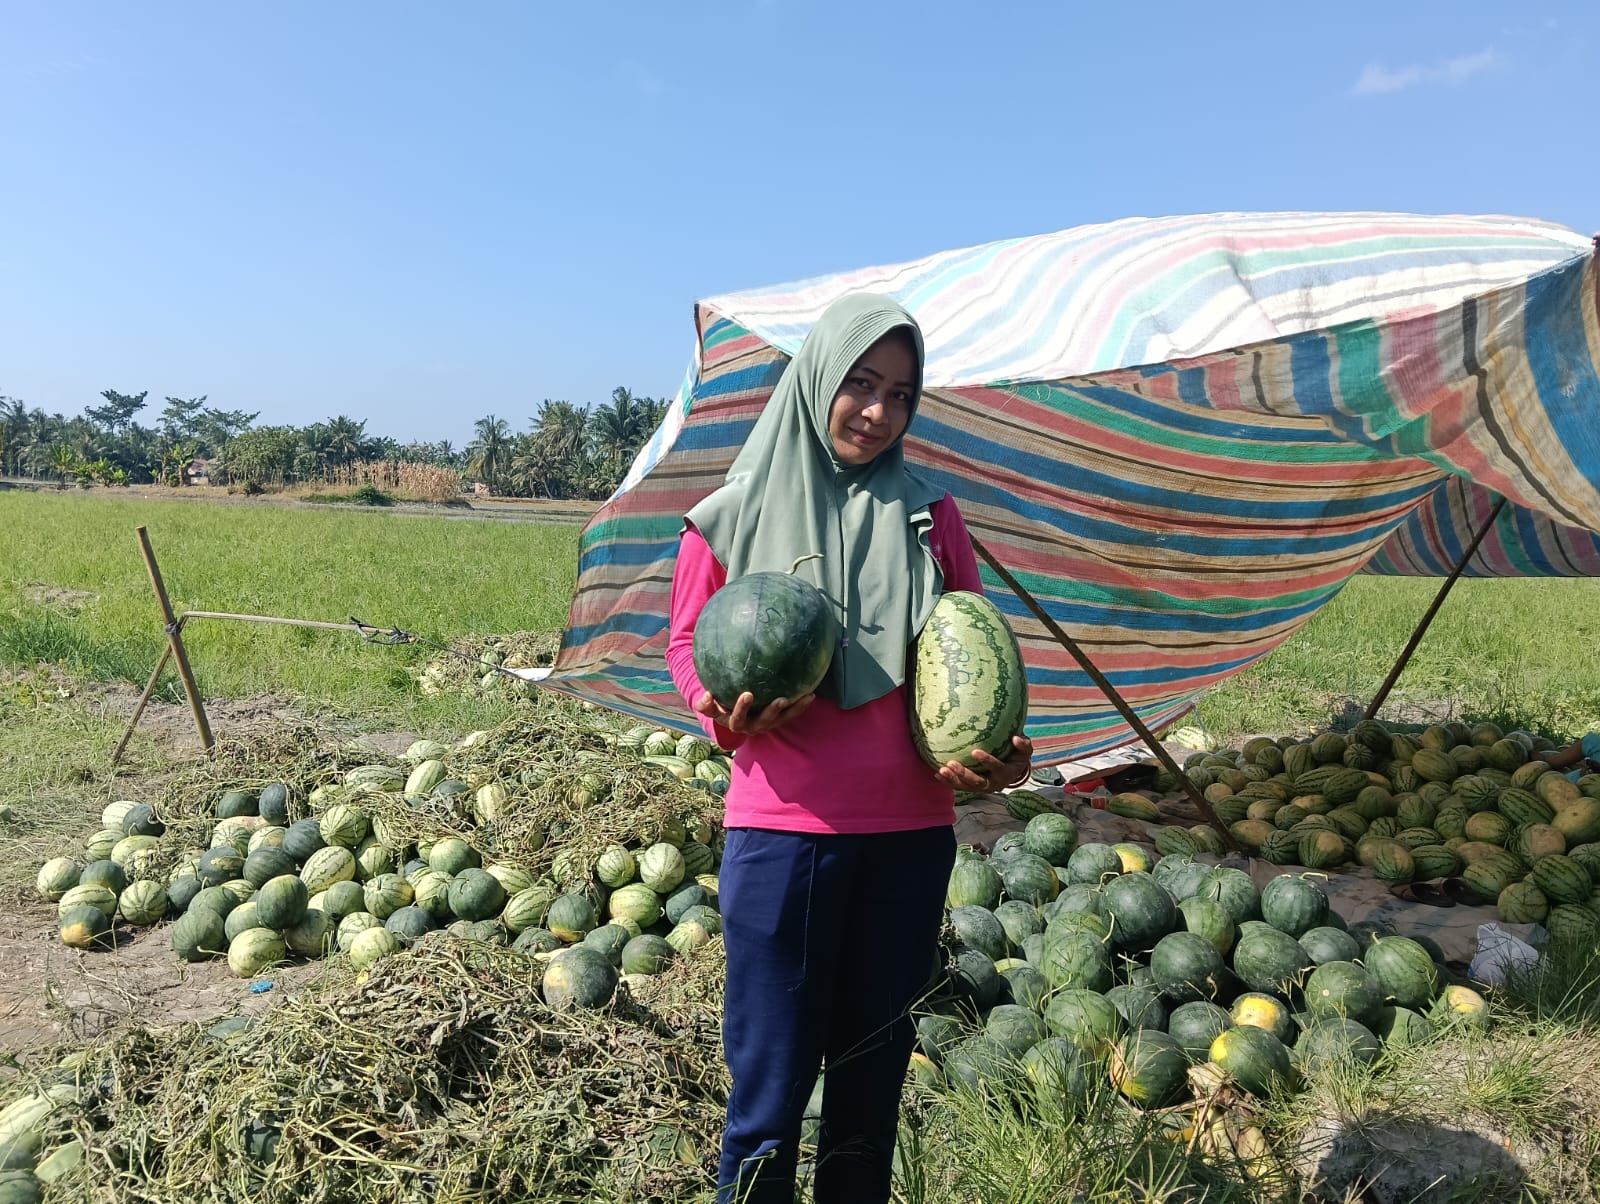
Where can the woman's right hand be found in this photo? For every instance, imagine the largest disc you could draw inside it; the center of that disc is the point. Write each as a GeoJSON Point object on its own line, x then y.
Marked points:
{"type": "Point", "coordinates": [745, 719]}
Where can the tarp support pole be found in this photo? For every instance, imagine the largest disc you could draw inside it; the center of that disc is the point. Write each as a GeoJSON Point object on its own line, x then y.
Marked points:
{"type": "Point", "coordinates": [1110, 691]}
{"type": "Point", "coordinates": [1427, 617]}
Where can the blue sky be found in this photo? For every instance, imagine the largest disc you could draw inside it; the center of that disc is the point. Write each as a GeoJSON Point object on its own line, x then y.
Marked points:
{"type": "Point", "coordinates": [418, 214]}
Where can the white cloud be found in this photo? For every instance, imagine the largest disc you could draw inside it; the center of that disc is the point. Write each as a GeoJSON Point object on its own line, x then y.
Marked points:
{"type": "Point", "coordinates": [1377, 79]}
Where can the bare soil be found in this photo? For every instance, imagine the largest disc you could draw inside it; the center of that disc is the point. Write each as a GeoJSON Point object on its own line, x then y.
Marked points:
{"type": "Point", "coordinates": [51, 994]}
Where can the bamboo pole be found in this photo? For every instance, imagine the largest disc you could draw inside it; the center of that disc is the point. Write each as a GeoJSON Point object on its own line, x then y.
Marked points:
{"type": "Point", "coordinates": [1111, 692]}
{"type": "Point", "coordinates": [1433, 609]}
{"type": "Point", "coordinates": [138, 710]}
{"type": "Point", "coordinates": [175, 641]}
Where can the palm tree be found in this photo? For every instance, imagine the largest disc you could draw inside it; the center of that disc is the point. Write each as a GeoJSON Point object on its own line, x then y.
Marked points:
{"type": "Point", "coordinates": [344, 439]}
{"type": "Point", "coordinates": [488, 453]}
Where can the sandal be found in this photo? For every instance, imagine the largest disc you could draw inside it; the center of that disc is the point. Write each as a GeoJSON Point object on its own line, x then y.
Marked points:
{"type": "Point", "coordinates": [1423, 892]}
{"type": "Point", "coordinates": [1461, 892]}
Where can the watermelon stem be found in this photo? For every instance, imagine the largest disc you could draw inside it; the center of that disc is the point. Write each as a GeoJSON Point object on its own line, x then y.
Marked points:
{"type": "Point", "coordinates": [799, 560]}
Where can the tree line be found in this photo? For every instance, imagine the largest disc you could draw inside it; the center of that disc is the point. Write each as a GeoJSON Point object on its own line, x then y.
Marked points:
{"type": "Point", "coordinates": [567, 450]}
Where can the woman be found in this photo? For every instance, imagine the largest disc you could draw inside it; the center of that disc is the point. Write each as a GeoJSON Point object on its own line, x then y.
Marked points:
{"type": "Point", "coordinates": [837, 830]}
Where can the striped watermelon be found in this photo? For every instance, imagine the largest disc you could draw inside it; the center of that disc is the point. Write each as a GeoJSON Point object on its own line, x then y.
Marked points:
{"type": "Point", "coordinates": [970, 689]}
{"type": "Point", "coordinates": [1562, 879]}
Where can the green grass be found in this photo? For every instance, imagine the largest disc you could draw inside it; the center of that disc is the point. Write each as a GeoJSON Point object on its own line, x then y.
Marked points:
{"type": "Point", "coordinates": [1519, 653]}
{"type": "Point", "coordinates": [437, 578]}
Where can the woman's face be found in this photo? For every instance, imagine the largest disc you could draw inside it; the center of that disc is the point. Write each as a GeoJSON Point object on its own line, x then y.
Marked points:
{"type": "Point", "coordinates": [873, 405]}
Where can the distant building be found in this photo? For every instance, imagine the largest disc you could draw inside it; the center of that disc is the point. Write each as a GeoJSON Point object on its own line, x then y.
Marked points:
{"type": "Point", "coordinates": [198, 472]}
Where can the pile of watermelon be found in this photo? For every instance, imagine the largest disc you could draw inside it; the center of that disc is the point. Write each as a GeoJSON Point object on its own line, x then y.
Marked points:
{"type": "Point", "coordinates": [268, 889]}
{"type": "Point", "coordinates": [1071, 964]}
{"type": "Point", "coordinates": [1451, 801]}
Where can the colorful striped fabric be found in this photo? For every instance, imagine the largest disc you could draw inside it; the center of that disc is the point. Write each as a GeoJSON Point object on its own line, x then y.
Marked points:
{"type": "Point", "coordinates": [1181, 435]}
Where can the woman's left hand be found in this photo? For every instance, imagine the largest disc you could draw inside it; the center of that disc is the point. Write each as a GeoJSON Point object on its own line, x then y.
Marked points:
{"type": "Point", "coordinates": [991, 773]}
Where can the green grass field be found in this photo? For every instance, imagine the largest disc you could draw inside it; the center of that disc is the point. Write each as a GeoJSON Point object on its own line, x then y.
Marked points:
{"type": "Point", "coordinates": [1523, 653]}
{"type": "Point", "coordinates": [439, 578]}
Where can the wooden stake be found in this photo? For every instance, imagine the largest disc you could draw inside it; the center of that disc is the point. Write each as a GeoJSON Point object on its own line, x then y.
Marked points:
{"type": "Point", "coordinates": [1427, 617]}
{"type": "Point", "coordinates": [175, 642]}
{"type": "Point", "coordinates": [1110, 691]}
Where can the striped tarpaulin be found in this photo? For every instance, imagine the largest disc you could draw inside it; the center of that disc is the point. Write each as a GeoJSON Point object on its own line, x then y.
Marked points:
{"type": "Point", "coordinates": [1183, 436]}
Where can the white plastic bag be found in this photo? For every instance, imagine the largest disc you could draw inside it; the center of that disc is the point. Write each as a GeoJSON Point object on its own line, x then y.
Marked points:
{"type": "Point", "coordinates": [1500, 951]}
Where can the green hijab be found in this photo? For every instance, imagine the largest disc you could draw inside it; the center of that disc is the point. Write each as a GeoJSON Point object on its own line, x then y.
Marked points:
{"type": "Point", "coordinates": [787, 496]}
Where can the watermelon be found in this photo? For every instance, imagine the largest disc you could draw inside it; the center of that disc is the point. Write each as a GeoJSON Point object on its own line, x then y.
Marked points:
{"type": "Point", "coordinates": [1029, 878]}
{"type": "Point", "coordinates": [452, 855]}
{"type": "Point", "coordinates": [1268, 960]}
{"type": "Point", "coordinates": [769, 634]}
{"type": "Point", "coordinates": [1403, 970]}
{"type": "Point", "coordinates": [57, 877]}
{"type": "Point", "coordinates": [1335, 1039]}
{"type": "Point", "coordinates": [1062, 1076]}
{"type": "Point", "coordinates": [1255, 1057]}
{"type": "Point", "coordinates": [1257, 1009]}
{"type": "Point", "coordinates": [1025, 985]}
{"type": "Point", "coordinates": [970, 690]}
{"type": "Point", "coordinates": [273, 804]}
{"type": "Point", "coordinates": [661, 868]}
{"type": "Point", "coordinates": [1562, 879]}
{"type": "Point", "coordinates": [1149, 1068]}
{"type": "Point", "coordinates": [302, 839]}
{"type": "Point", "coordinates": [1085, 1017]}
{"type": "Point", "coordinates": [578, 977]}
{"type": "Point", "coordinates": [980, 929]}
{"type": "Point", "coordinates": [616, 866]}
{"type": "Point", "coordinates": [1091, 863]}
{"type": "Point", "coordinates": [1329, 944]}
{"type": "Point", "coordinates": [1522, 903]}
{"type": "Point", "coordinates": [475, 894]}
{"type": "Point", "coordinates": [646, 954]}
{"type": "Point", "coordinates": [281, 902]}
{"type": "Point", "coordinates": [1141, 911]}
{"type": "Point", "coordinates": [1208, 918]}
{"type": "Point", "coordinates": [1235, 891]}
{"type": "Point", "coordinates": [369, 945]}
{"type": "Point", "coordinates": [572, 917]}
{"type": "Point", "coordinates": [409, 924]}
{"type": "Point", "coordinates": [326, 866]}
{"type": "Point", "coordinates": [353, 925]}
{"type": "Point", "coordinates": [973, 976]}
{"type": "Point", "coordinates": [381, 896]}
{"type": "Point", "coordinates": [1139, 1006]}
{"type": "Point", "coordinates": [1188, 967]}
{"type": "Point", "coordinates": [1294, 904]}
{"type": "Point", "coordinates": [253, 950]}
{"type": "Point", "coordinates": [1343, 989]}
{"type": "Point", "coordinates": [1015, 1029]}
{"type": "Point", "coordinates": [1051, 836]}
{"type": "Point", "coordinates": [1181, 876]}
{"type": "Point", "coordinates": [344, 825]}
{"type": "Point", "coordinates": [241, 919]}
{"type": "Point", "coordinates": [1018, 920]}
{"type": "Point", "coordinates": [528, 908]}
{"type": "Point", "coordinates": [143, 903]}
{"type": "Point", "coordinates": [1076, 959]}
{"type": "Point", "coordinates": [1194, 1026]}
{"type": "Point", "coordinates": [313, 936]}
{"type": "Point", "coordinates": [82, 924]}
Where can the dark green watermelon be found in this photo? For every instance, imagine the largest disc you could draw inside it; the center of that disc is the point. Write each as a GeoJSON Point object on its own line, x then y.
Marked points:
{"type": "Point", "coordinates": [770, 634]}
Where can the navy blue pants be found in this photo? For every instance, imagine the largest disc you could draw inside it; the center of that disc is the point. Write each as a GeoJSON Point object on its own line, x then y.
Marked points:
{"type": "Point", "coordinates": [830, 940]}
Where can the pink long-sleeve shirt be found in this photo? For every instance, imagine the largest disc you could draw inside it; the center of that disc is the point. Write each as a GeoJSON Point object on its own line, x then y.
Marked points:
{"type": "Point", "coordinates": [826, 770]}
